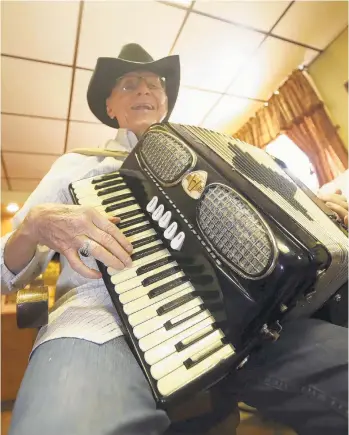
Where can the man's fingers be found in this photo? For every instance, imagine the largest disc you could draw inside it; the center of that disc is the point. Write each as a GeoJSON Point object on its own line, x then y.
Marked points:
{"type": "Point", "coordinates": [79, 267]}
{"type": "Point", "coordinates": [335, 198]}
{"type": "Point", "coordinates": [108, 241]}
{"type": "Point", "coordinates": [113, 219]}
{"type": "Point", "coordinates": [341, 211]}
{"type": "Point", "coordinates": [98, 252]}
{"type": "Point", "coordinates": [111, 229]}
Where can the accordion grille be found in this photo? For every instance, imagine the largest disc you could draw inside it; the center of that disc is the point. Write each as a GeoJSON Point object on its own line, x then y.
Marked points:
{"type": "Point", "coordinates": [166, 156]}
{"type": "Point", "coordinates": [236, 232]}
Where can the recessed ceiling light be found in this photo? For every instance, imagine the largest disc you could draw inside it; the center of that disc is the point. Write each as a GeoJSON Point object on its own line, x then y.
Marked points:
{"type": "Point", "coordinates": [12, 207]}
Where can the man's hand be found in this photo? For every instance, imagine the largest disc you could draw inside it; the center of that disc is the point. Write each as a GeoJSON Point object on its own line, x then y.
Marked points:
{"type": "Point", "coordinates": [338, 203]}
{"type": "Point", "coordinates": [65, 228]}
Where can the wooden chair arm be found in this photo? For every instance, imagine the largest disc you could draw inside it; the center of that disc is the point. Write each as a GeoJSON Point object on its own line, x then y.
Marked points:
{"type": "Point", "coordinates": [32, 307]}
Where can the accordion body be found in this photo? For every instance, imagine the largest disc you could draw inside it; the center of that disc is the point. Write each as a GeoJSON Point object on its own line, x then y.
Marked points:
{"type": "Point", "coordinates": [228, 247]}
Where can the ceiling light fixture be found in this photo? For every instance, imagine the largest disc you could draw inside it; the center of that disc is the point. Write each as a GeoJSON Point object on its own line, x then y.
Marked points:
{"type": "Point", "coordinates": [12, 207]}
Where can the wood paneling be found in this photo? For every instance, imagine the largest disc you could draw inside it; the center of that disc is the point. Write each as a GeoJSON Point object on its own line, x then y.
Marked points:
{"type": "Point", "coordinates": [16, 345]}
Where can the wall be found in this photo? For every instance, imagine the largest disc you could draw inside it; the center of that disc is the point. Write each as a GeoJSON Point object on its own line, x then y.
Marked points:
{"type": "Point", "coordinates": [329, 73]}
{"type": "Point", "coordinates": [6, 198]}
{"type": "Point", "coordinates": [6, 224]}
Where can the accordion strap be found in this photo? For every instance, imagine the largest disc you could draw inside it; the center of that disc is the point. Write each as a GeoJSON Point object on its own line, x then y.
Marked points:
{"type": "Point", "coordinates": [100, 152]}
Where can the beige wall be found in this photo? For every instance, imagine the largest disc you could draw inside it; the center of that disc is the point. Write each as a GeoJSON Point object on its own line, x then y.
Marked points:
{"type": "Point", "coordinates": [329, 73]}
{"type": "Point", "coordinates": [6, 224]}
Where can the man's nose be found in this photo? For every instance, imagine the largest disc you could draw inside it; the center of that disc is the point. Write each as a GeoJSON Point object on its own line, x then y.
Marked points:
{"type": "Point", "coordinates": [143, 87]}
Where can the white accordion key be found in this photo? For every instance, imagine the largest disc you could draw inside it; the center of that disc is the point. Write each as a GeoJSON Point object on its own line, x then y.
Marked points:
{"type": "Point", "coordinates": [178, 241]}
{"type": "Point", "coordinates": [152, 204]}
{"type": "Point", "coordinates": [193, 316]}
{"type": "Point", "coordinates": [158, 213]}
{"type": "Point", "coordinates": [137, 281]}
{"type": "Point", "coordinates": [131, 272]}
{"type": "Point", "coordinates": [157, 322]}
{"type": "Point", "coordinates": [165, 220]}
{"type": "Point", "coordinates": [176, 359]}
{"type": "Point", "coordinates": [142, 235]}
{"type": "Point", "coordinates": [87, 184]}
{"type": "Point", "coordinates": [182, 376]}
{"type": "Point", "coordinates": [171, 231]}
{"type": "Point", "coordinates": [148, 245]}
{"type": "Point", "coordinates": [148, 313]}
{"type": "Point", "coordinates": [93, 200]}
{"type": "Point", "coordinates": [101, 208]}
{"type": "Point", "coordinates": [89, 196]}
{"type": "Point", "coordinates": [144, 301]}
{"type": "Point", "coordinates": [134, 226]}
{"type": "Point", "coordinates": [167, 347]}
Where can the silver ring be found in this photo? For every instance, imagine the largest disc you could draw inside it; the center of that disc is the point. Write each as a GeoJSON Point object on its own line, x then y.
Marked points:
{"type": "Point", "coordinates": [85, 248]}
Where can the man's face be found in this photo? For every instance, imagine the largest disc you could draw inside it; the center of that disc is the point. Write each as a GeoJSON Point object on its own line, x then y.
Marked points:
{"type": "Point", "coordinates": [137, 101]}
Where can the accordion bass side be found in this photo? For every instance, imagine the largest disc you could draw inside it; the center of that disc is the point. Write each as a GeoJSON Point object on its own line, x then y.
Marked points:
{"type": "Point", "coordinates": [227, 247]}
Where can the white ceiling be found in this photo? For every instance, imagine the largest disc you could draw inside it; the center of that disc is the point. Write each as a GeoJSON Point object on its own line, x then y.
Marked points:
{"type": "Point", "coordinates": [234, 55]}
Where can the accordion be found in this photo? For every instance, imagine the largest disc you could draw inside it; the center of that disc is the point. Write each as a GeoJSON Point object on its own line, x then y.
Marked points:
{"type": "Point", "coordinates": [227, 247]}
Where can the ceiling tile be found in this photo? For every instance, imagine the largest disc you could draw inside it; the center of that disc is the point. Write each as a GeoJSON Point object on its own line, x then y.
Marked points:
{"type": "Point", "coordinates": [23, 184]}
{"type": "Point", "coordinates": [122, 22]}
{"type": "Point", "coordinates": [4, 185]}
{"type": "Point", "coordinates": [273, 62]}
{"type": "Point", "coordinates": [185, 3]}
{"type": "Point", "coordinates": [35, 29]}
{"type": "Point", "coordinates": [33, 166]}
{"type": "Point", "coordinates": [315, 23]}
{"type": "Point", "coordinates": [257, 14]}
{"type": "Point", "coordinates": [35, 88]}
{"type": "Point", "coordinates": [80, 110]}
{"type": "Point", "coordinates": [192, 105]}
{"type": "Point", "coordinates": [210, 54]}
{"type": "Point", "coordinates": [230, 114]}
{"type": "Point", "coordinates": [36, 135]}
{"type": "Point", "coordinates": [82, 135]}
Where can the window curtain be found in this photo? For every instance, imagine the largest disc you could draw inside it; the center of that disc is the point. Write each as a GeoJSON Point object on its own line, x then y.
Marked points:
{"type": "Point", "coordinates": [297, 111]}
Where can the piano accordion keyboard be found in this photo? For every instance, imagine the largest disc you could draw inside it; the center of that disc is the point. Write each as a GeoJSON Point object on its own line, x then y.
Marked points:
{"type": "Point", "coordinates": [174, 330]}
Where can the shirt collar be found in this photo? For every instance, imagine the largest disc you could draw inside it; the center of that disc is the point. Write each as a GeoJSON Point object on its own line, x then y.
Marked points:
{"type": "Point", "coordinates": [125, 140]}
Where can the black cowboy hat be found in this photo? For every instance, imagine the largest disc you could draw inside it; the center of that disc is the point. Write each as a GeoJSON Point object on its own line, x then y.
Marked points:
{"type": "Point", "coordinates": [131, 58]}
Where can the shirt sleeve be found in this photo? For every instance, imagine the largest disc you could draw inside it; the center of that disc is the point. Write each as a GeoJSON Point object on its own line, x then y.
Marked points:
{"type": "Point", "coordinates": [49, 191]}
{"type": "Point", "coordinates": [341, 182]}
{"type": "Point", "coordinates": [37, 265]}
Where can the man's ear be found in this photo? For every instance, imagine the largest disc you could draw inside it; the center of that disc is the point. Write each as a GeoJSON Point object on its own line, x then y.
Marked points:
{"type": "Point", "coordinates": [109, 110]}
{"type": "Point", "coordinates": [163, 117]}
{"type": "Point", "coordinates": [165, 113]}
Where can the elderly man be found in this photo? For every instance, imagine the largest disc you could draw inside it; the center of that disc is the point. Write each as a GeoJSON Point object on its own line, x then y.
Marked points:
{"type": "Point", "coordinates": [82, 378]}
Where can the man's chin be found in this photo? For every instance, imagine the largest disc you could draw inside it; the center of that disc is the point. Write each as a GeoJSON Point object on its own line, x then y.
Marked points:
{"type": "Point", "coordinates": [145, 122]}
{"type": "Point", "coordinates": [140, 127]}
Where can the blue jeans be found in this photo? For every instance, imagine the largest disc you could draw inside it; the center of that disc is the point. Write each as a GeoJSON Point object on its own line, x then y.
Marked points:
{"type": "Point", "coordinates": [74, 387]}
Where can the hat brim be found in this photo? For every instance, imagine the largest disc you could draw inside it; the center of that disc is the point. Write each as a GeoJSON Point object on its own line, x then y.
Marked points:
{"type": "Point", "coordinates": [109, 69]}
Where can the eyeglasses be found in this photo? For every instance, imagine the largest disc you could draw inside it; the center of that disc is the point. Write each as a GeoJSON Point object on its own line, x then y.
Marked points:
{"type": "Point", "coordinates": [131, 83]}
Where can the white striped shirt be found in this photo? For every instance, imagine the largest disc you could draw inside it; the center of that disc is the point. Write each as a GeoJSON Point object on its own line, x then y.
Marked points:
{"type": "Point", "coordinates": [83, 307]}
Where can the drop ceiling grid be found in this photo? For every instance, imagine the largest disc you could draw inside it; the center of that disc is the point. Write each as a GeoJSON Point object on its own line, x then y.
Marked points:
{"type": "Point", "coordinates": [75, 59]}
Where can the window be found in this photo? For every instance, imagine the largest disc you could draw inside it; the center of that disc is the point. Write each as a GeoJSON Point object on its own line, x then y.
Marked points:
{"type": "Point", "coordinates": [295, 159]}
